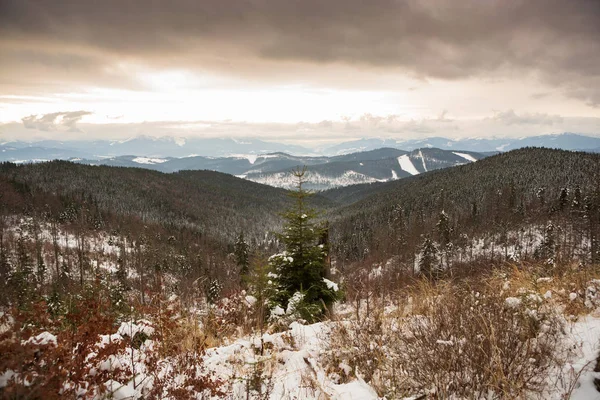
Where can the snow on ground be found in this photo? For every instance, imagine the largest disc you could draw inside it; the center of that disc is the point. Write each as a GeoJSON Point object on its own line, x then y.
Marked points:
{"type": "Point", "coordinates": [32, 161]}
{"type": "Point", "coordinates": [253, 157]}
{"type": "Point", "coordinates": [97, 242]}
{"type": "Point", "coordinates": [295, 369]}
{"type": "Point", "coordinates": [44, 338]}
{"type": "Point", "coordinates": [104, 247]}
{"type": "Point", "coordinates": [394, 175]}
{"type": "Point", "coordinates": [466, 156]}
{"type": "Point", "coordinates": [290, 365]}
{"type": "Point", "coordinates": [518, 245]}
{"type": "Point", "coordinates": [146, 160]}
{"type": "Point", "coordinates": [314, 180]}
{"type": "Point", "coordinates": [584, 338]}
{"type": "Point", "coordinates": [407, 165]}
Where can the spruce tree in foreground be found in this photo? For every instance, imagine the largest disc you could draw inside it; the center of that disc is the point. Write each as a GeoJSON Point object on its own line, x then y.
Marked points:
{"type": "Point", "coordinates": [301, 270]}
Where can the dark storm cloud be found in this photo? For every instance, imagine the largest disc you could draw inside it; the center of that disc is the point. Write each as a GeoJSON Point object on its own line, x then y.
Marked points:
{"type": "Point", "coordinates": [55, 121]}
{"type": "Point", "coordinates": [555, 40]}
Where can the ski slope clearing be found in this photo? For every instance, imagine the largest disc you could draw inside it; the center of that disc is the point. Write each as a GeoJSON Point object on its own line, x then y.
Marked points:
{"type": "Point", "coordinates": [423, 160]}
{"type": "Point", "coordinates": [407, 165]}
{"type": "Point", "coordinates": [467, 157]}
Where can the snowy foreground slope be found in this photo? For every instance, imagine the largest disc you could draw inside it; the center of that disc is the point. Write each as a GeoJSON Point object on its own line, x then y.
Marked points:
{"type": "Point", "coordinates": [295, 364]}
{"type": "Point", "coordinates": [584, 336]}
{"type": "Point", "coordinates": [319, 361]}
{"type": "Point", "coordinates": [298, 373]}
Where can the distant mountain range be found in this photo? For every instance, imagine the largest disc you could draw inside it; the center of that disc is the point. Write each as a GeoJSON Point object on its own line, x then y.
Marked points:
{"type": "Point", "coordinates": [165, 147]}
{"type": "Point", "coordinates": [381, 165]}
{"type": "Point", "coordinates": [564, 141]}
{"type": "Point", "coordinates": [141, 145]}
{"type": "Point", "coordinates": [354, 162]}
{"type": "Point", "coordinates": [273, 169]}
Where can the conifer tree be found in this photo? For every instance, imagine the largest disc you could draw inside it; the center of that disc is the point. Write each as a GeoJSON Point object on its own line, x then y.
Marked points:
{"type": "Point", "coordinates": [563, 199]}
{"type": "Point", "coordinates": [428, 262]}
{"type": "Point", "coordinates": [399, 230]}
{"type": "Point", "coordinates": [301, 268]}
{"type": "Point", "coordinates": [547, 249]}
{"type": "Point", "coordinates": [444, 230]}
{"type": "Point", "coordinates": [260, 286]}
{"type": "Point", "coordinates": [242, 254]}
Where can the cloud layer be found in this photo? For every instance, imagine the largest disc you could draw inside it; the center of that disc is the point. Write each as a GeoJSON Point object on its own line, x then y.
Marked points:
{"type": "Point", "coordinates": [58, 121]}
{"type": "Point", "coordinates": [501, 124]}
{"type": "Point", "coordinates": [63, 41]}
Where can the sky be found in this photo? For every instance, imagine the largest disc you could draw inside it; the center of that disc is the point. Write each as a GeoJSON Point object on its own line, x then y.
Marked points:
{"type": "Point", "coordinates": [302, 71]}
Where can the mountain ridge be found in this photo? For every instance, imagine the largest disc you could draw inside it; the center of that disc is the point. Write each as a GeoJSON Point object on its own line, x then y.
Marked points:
{"type": "Point", "coordinates": [162, 147]}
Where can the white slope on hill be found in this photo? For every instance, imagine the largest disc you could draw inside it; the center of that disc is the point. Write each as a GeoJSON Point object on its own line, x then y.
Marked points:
{"type": "Point", "coordinates": [467, 157]}
{"type": "Point", "coordinates": [423, 160]}
{"type": "Point", "coordinates": [407, 165]}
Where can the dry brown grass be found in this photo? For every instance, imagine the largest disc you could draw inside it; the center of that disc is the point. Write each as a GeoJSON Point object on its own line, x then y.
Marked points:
{"type": "Point", "coordinates": [559, 283]}
{"type": "Point", "coordinates": [462, 338]}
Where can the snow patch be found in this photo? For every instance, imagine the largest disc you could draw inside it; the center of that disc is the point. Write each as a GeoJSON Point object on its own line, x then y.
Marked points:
{"type": "Point", "coordinates": [131, 329]}
{"type": "Point", "coordinates": [584, 339]}
{"type": "Point", "coordinates": [119, 391]}
{"type": "Point", "coordinates": [572, 296]}
{"type": "Point", "coordinates": [44, 338]}
{"type": "Point", "coordinates": [512, 302]}
{"type": "Point", "coordinates": [146, 160]}
{"type": "Point", "coordinates": [331, 285]}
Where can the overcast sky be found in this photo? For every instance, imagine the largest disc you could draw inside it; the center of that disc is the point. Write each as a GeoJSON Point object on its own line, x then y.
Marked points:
{"type": "Point", "coordinates": [298, 70]}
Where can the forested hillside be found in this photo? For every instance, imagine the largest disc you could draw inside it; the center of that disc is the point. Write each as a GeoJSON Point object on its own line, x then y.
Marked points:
{"type": "Point", "coordinates": [273, 169]}
{"type": "Point", "coordinates": [209, 202]}
{"type": "Point", "coordinates": [497, 195]}
{"type": "Point", "coordinates": [381, 165]}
